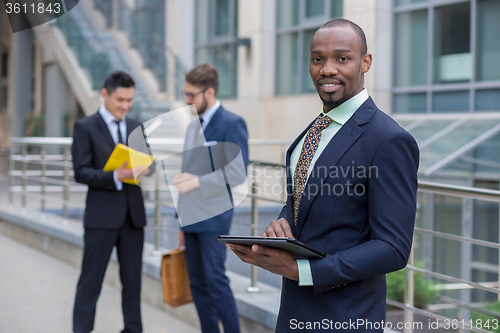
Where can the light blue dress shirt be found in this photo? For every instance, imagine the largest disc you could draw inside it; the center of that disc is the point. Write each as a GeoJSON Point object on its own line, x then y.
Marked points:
{"type": "Point", "coordinates": [208, 114]}
{"type": "Point", "coordinates": [340, 115]}
{"type": "Point", "coordinates": [109, 119]}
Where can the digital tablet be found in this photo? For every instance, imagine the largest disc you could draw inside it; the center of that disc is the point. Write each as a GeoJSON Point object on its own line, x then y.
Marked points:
{"type": "Point", "coordinates": [297, 249]}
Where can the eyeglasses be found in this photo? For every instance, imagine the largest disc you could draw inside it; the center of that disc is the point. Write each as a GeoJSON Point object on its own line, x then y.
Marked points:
{"type": "Point", "coordinates": [191, 95]}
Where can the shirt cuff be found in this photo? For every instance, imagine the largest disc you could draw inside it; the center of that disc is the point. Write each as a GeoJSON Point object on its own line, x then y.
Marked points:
{"type": "Point", "coordinates": [305, 274]}
{"type": "Point", "coordinates": [118, 183]}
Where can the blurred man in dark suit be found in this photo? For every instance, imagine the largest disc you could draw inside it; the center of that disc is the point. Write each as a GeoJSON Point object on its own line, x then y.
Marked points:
{"type": "Point", "coordinates": [114, 213]}
{"type": "Point", "coordinates": [214, 140]}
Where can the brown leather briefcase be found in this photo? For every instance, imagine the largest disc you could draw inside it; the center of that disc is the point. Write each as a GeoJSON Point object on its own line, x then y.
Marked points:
{"type": "Point", "coordinates": [174, 274]}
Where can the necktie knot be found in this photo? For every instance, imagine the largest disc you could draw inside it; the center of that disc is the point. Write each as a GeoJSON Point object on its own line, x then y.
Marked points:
{"type": "Point", "coordinates": [322, 122]}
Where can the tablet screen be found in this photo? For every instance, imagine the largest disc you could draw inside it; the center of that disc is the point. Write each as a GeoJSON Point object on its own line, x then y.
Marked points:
{"type": "Point", "coordinates": [297, 249]}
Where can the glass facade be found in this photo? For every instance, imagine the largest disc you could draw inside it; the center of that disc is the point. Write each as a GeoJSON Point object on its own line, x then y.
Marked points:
{"type": "Point", "coordinates": [297, 20]}
{"type": "Point", "coordinates": [446, 52]}
{"type": "Point", "coordinates": [216, 38]}
{"type": "Point", "coordinates": [488, 42]}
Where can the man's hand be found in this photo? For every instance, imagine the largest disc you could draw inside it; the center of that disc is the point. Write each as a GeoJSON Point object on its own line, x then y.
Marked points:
{"type": "Point", "coordinates": [186, 182]}
{"type": "Point", "coordinates": [273, 260]}
{"type": "Point", "coordinates": [180, 237]}
{"type": "Point", "coordinates": [278, 228]}
{"type": "Point", "coordinates": [124, 173]}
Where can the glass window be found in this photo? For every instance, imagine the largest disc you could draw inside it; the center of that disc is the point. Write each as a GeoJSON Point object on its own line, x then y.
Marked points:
{"type": "Point", "coordinates": [336, 8]}
{"type": "Point", "coordinates": [293, 39]}
{"type": "Point", "coordinates": [216, 39]}
{"type": "Point", "coordinates": [202, 55]}
{"type": "Point", "coordinates": [288, 13]}
{"type": "Point", "coordinates": [448, 54]}
{"type": "Point", "coordinates": [288, 49]}
{"type": "Point", "coordinates": [202, 22]}
{"type": "Point", "coordinates": [307, 84]}
{"type": "Point", "coordinates": [223, 63]}
{"type": "Point", "coordinates": [453, 101]}
{"type": "Point", "coordinates": [315, 8]}
{"type": "Point", "coordinates": [488, 100]}
{"type": "Point", "coordinates": [447, 217]}
{"type": "Point", "coordinates": [488, 42]}
{"type": "Point", "coordinates": [452, 56]}
{"type": "Point", "coordinates": [222, 22]}
{"type": "Point", "coordinates": [410, 103]}
{"type": "Point", "coordinates": [411, 49]}
{"type": "Point", "coordinates": [408, 2]}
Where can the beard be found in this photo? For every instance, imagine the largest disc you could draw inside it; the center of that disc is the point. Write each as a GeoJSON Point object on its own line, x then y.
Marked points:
{"type": "Point", "coordinates": [330, 103]}
{"type": "Point", "coordinates": [203, 107]}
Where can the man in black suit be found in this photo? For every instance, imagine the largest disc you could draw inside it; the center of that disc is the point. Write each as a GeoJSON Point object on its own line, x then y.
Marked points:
{"type": "Point", "coordinates": [115, 214]}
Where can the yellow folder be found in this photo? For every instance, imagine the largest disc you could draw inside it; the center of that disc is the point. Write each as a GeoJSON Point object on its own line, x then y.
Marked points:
{"type": "Point", "coordinates": [122, 154]}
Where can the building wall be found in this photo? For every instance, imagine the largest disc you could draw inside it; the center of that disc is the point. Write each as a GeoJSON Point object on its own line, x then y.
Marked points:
{"type": "Point", "coordinates": [280, 117]}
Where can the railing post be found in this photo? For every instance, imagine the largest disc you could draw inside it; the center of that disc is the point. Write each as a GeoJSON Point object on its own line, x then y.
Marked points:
{"type": "Point", "coordinates": [66, 185]}
{"type": "Point", "coordinates": [23, 179]}
{"type": "Point", "coordinates": [409, 294]}
{"type": "Point", "coordinates": [11, 175]}
{"type": "Point", "coordinates": [254, 228]}
{"type": "Point", "coordinates": [157, 228]}
{"type": "Point", "coordinates": [43, 182]}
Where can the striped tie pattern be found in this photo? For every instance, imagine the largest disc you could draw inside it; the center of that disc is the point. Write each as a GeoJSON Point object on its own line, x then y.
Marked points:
{"type": "Point", "coordinates": [309, 147]}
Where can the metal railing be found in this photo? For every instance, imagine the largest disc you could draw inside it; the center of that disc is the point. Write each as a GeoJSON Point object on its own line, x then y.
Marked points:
{"type": "Point", "coordinates": [41, 167]}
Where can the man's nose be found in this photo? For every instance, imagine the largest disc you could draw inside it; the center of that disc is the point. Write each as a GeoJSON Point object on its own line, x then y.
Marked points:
{"type": "Point", "coordinates": [329, 69]}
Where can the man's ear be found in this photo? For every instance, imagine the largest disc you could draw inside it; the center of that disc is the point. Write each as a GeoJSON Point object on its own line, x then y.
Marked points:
{"type": "Point", "coordinates": [366, 64]}
{"type": "Point", "coordinates": [211, 92]}
{"type": "Point", "coordinates": [104, 93]}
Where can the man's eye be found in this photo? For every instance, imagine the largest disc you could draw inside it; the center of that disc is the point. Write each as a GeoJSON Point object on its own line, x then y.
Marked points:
{"type": "Point", "coordinates": [343, 59]}
{"type": "Point", "coordinates": [316, 59]}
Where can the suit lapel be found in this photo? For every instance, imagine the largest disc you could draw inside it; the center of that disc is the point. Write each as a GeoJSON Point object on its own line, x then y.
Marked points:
{"type": "Point", "coordinates": [348, 134]}
{"type": "Point", "coordinates": [103, 127]}
{"type": "Point", "coordinates": [212, 126]}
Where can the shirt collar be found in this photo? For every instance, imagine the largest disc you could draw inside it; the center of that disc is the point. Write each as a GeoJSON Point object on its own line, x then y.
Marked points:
{"type": "Point", "coordinates": [207, 115]}
{"type": "Point", "coordinates": [344, 111]}
{"type": "Point", "coordinates": [106, 115]}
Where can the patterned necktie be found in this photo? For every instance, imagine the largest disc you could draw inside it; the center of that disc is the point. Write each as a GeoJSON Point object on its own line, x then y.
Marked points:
{"type": "Point", "coordinates": [309, 147]}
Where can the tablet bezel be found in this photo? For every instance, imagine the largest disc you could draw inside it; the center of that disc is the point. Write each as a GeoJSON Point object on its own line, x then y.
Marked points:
{"type": "Point", "coordinates": [296, 248]}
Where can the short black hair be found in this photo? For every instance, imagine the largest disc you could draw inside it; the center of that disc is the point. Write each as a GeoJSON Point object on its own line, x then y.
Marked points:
{"type": "Point", "coordinates": [340, 22]}
{"type": "Point", "coordinates": [118, 79]}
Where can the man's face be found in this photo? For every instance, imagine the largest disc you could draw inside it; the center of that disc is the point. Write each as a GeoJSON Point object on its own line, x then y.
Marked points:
{"type": "Point", "coordinates": [337, 66]}
{"type": "Point", "coordinates": [195, 95]}
{"type": "Point", "coordinates": [119, 101]}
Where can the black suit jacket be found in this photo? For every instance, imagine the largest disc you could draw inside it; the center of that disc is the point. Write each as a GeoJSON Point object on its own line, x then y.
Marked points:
{"type": "Point", "coordinates": [106, 207]}
{"type": "Point", "coordinates": [359, 208]}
